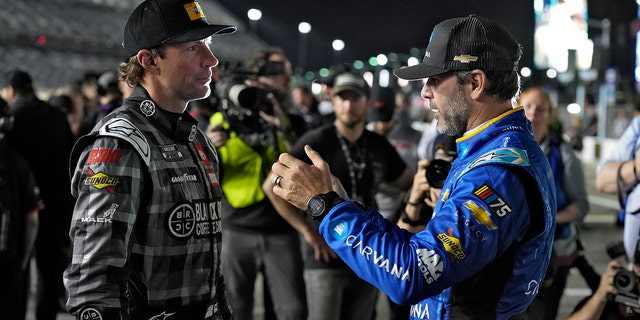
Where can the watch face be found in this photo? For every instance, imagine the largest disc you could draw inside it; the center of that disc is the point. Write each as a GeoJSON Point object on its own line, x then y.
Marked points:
{"type": "Point", "coordinates": [316, 206]}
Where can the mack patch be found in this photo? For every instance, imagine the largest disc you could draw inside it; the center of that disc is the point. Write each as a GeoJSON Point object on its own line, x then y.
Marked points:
{"type": "Point", "coordinates": [198, 218]}
{"type": "Point", "coordinates": [493, 200]}
{"type": "Point", "coordinates": [171, 153]}
{"type": "Point", "coordinates": [194, 11]}
{"type": "Point", "coordinates": [430, 264]}
{"type": "Point", "coordinates": [107, 216]}
{"type": "Point", "coordinates": [104, 155]}
{"type": "Point", "coordinates": [452, 245]}
{"type": "Point", "coordinates": [101, 181]}
{"type": "Point", "coordinates": [481, 215]}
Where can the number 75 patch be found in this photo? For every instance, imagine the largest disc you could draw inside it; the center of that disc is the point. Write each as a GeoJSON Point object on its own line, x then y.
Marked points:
{"type": "Point", "coordinates": [493, 200]}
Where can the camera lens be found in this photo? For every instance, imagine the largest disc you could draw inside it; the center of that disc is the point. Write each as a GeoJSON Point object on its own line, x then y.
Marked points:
{"type": "Point", "coordinates": [437, 172]}
{"type": "Point", "coordinates": [624, 281]}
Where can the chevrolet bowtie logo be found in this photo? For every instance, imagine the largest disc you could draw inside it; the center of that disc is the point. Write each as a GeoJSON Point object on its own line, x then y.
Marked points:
{"type": "Point", "coordinates": [465, 58]}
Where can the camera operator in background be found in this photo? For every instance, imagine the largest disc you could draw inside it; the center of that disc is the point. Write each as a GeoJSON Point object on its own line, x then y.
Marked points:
{"type": "Point", "coordinates": [618, 293]}
{"type": "Point", "coordinates": [19, 205]}
{"type": "Point", "coordinates": [427, 185]}
{"type": "Point", "coordinates": [252, 128]}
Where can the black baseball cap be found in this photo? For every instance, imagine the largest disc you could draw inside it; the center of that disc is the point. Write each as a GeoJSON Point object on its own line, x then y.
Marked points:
{"type": "Point", "coordinates": [463, 44]}
{"type": "Point", "coordinates": [383, 104]}
{"type": "Point", "coordinates": [350, 81]}
{"type": "Point", "coordinates": [18, 79]}
{"type": "Point", "coordinates": [155, 22]}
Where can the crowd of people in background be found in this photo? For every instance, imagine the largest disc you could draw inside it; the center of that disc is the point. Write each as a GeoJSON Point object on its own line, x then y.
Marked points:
{"type": "Point", "coordinates": [378, 151]}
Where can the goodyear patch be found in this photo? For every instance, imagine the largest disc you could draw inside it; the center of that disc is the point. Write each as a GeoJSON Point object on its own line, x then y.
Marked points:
{"type": "Point", "coordinates": [493, 200]}
{"type": "Point", "coordinates": [101, 180]}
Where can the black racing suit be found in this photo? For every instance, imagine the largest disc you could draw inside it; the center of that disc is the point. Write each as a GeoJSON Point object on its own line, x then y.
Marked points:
{"type": "Point", "coordinates": [146, 224]}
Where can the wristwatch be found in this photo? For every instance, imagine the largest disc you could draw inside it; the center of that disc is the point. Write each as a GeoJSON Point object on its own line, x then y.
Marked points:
{"type": "Point", "coordinates": [318, 206]}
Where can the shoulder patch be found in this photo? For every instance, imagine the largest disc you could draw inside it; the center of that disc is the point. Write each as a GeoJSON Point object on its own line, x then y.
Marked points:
{"type": "Point", "coordinates": [126, 130]}
{"type": "Point", "coordinates": [508, 156]}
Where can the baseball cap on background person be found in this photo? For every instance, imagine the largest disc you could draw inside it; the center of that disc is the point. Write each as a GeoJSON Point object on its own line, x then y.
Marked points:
{"type": "Point", "coordinates": [383, 104]}
{"type": "Point", "coordinates": [18, 79]}
{"type": "Point", "coordinates": [464, 44]}
{"type": "Point", "coordinates": [156, 22]}
{"type": "Point", "coordinates": [350, 81]}
{"type": "Point", "coordinates": [108, 82]}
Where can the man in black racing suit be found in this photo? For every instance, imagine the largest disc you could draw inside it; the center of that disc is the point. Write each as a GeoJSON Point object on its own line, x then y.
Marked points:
{"type": "Point", "coordinates": [146, 224]}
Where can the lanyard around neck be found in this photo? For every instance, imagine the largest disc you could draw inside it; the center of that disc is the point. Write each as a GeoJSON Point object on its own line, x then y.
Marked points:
{"type": "Point", "coordinates": [356, 169]}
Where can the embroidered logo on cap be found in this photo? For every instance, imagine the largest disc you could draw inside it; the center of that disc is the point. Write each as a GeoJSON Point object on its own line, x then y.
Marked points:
{"type": "Point", "coordinates": [194, 11]}
{"type": "Point", "coordinates": [465, 58]}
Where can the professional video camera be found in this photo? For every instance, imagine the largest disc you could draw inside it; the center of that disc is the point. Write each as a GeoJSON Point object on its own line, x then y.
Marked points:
{"type": "Point", "coordinates": [626, 282]}
{"type": "Point", "coordinates": [242, 99]}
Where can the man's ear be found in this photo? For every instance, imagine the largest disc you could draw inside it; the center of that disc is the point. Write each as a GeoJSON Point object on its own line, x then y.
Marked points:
{"type": "Point", "coordinates": [147, 59]}
{"type": "Point", "coordinates": [479, 82]}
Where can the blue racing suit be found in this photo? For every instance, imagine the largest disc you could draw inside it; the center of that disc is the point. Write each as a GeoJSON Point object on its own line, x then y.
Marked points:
{"type": "Point", "coordinates": [484, 253]}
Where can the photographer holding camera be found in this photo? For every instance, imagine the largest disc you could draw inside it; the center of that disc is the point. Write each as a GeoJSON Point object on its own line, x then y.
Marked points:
{"type": "Point", "coordinates": [250, 131]}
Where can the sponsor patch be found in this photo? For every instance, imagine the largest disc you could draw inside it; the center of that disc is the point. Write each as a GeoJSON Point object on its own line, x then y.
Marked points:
{"type": "Point", "coordinates": [481, 215]}
{"type": "Point", "coordinates": [430, 264]}
{"type": "Point", "coordinates": [338, 229]}
{"type": "Point", "coordinates": [202, 154]}
{"type": "Point", "coordinates": [192, 134]}
{"type": "Point", "coordinates": [493, 200]}
{"type": "Point", "coordinates": [194, 11]}
{"type": "Point", "coordinates": [101, 181]}
{"type": "Point", "coordinates": [472, 230]}
{"type": "Point", "coordinates": [452, 245]}
{"type": "Point", "coordinates": [171, 153]}
{"type": "Point", "coordinates": [107, 216]}
{"type": "Point", "coordinates": [185, 177]}
{"type": "Point", "coordinates": [376, 258]}
{"type": "Point", "coordinates": [182, 221]}
{"type": "Point", "coordinates": [465, 58]}
{"type": "Point", "coordinates": [213, 177]}
{"type": "Point", "coordinates": [104, 155]}
{"type": "Point", "coordinates": [148, 108]}
{"type": "Point", "coordinates": [199, 218]}
{"type": "Point", "coordinates": [90, 314]}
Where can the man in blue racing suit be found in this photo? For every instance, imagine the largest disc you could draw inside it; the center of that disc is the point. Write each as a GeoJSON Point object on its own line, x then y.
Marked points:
{"type": "Point", "coordinates": [484, 253]}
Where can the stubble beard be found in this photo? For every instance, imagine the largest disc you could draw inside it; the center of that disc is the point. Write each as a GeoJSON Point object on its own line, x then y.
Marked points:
{"type": "Point", "coordinates": [454, 114]}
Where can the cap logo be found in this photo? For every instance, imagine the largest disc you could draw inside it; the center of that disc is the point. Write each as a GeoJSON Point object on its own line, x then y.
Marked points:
{"type": "Point", "coordinates": [194, 11]}
{"type": "Point", "coordinates": [348, 79]}
{"type": "Point", "coordinates": [465, 58]}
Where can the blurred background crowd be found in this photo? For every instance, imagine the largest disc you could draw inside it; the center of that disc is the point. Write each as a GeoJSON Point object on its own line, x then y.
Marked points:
{"type": "Point", "coordinates": [583, 54]}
